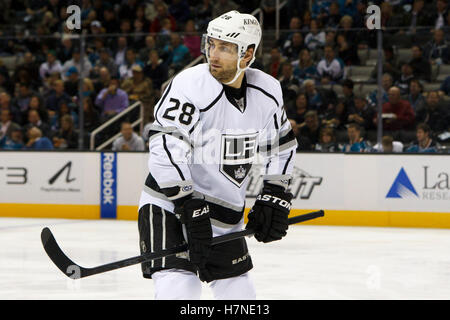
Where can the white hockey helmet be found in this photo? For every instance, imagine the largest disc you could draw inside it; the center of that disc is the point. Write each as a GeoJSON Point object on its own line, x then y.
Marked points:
{"type": "Point", "coordinates": [239, 28]}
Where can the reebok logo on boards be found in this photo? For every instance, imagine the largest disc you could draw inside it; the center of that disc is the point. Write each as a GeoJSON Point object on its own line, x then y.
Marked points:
{"type": "Point", "coordinates": [109, 179]}
{"type": "Point", "coordinates": [402, 187]}
{"type": "Point", "coordinates": [108, 185]}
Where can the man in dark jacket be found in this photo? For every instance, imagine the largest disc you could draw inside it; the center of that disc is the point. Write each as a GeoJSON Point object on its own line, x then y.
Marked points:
{"type": "Point", "coordinates": [434, 113]}
{"type": "Point", "coordinates": [417, 17]}
{"type": "Point", "coordinates": [156, 70]}
{"type": "Point", "coordinates": [421, 66]}
{"type": "Point", "coordinates": [311, 129]}
{"type": "Point", "coordinates": [437, 50]}
{"type": "Point", "coordinates": [361, 113]}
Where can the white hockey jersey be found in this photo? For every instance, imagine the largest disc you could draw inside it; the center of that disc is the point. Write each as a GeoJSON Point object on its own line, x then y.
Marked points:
{"type": "Point", "coordinates": [203, 141]}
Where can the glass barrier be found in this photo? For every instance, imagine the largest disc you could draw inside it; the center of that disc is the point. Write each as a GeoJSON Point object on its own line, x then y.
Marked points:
{"type": "Point", "coordinates": [327, 72]}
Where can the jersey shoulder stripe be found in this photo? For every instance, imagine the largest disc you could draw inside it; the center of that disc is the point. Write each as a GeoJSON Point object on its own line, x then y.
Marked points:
{"type": "Point", "coordinates": [265, 92]}
{"type": "Point", "coordinates": [214, 102]}
{"type": "Point", "coordinates": [180, 173]}
{"type": "Point", "coordinates": [266, 84]}
{"type": "Point", "coordinates": [287, 162]}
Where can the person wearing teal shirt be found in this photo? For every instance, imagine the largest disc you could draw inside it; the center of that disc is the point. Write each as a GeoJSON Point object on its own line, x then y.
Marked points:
{"type": "Point", "coordinates": [177, 54]}
{"type": "Point", "coordinates": [424, 143]}
{"type": "Point", "coordinates": [356, 142]}
{"type": "Point", "coordinates": [14, 142]}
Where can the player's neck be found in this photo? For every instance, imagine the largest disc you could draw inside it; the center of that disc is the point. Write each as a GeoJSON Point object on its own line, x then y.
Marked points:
{"type": "Point", "coordinates": [238, 82]}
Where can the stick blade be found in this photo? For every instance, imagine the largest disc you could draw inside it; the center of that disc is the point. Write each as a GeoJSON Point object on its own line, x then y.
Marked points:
{"type": "Point", "coordinates": [54, 252]}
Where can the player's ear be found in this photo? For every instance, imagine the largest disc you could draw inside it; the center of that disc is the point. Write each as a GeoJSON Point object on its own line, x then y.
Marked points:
{"type": "Point", "coordinates": [249, 55]}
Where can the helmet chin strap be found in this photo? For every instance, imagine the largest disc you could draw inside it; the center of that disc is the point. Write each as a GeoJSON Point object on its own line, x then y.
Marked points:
{"type": "Point", "coordinates": [238, 72]}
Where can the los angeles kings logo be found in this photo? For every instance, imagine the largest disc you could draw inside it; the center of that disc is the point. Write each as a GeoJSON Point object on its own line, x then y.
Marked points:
{"type": "Point", "coordinates": [238, 154]}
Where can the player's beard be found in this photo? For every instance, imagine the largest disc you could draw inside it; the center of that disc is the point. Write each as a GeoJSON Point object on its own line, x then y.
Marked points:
{"type": "Point", "coordinates": [223, 75]}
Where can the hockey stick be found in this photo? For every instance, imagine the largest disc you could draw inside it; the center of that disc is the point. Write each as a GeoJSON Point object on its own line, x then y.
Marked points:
{"type": "Point", "coordinates": [75, 271]}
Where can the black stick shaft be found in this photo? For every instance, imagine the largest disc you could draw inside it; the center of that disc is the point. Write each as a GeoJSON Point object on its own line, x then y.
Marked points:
{"type": "Point", "coordinates": [75, 271]}
{"type": "Point", "coordinates": [249, 232]}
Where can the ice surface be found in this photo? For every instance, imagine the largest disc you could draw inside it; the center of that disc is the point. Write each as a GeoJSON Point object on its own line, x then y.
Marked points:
{"type": "Point", "coordinates": [312, 262]}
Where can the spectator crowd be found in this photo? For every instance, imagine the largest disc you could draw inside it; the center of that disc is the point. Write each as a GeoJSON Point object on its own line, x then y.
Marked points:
{"type": "Point", "coordinates": [132, 47]}
{"type": "Point", "coordinates": [314, 57]}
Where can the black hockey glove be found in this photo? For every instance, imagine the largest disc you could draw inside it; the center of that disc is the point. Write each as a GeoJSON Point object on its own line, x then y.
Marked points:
{"type": "Point", "coordinates": [195, 216]}
{"type": "Point", "coordinates": [269, 215]}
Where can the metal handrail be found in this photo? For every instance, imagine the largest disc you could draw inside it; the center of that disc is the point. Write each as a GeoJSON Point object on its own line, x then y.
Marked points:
{"type": "Point", "coordinates": [279, 6]}
{"type": "Point", "coordinates": [261, 23]}
{"type": "Point", "coordinates": [118, 116]}
{"type": "Point", "coordinates": [114, 137]}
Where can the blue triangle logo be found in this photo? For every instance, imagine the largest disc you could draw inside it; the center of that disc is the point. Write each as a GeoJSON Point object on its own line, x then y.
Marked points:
{"type": "Point", "coordinates": [402, 187]}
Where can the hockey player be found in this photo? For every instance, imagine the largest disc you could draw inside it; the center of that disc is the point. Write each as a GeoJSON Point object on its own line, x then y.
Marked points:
{"type": "Point", "coordinates": [210, 123]}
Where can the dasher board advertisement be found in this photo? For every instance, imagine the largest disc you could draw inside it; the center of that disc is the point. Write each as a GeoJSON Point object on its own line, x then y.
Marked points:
{"type": "Point", "coordinates": [415, 183]}
{"type": "Point", "coordinates": [49, 177]}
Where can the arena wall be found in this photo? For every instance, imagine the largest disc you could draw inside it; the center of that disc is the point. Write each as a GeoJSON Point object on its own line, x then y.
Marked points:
{"type": "Point", "coordinates": [353, 189]}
